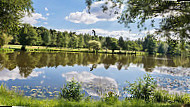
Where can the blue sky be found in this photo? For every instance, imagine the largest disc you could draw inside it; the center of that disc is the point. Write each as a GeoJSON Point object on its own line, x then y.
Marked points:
{"type": "Point", "coordinates": [72, 15]}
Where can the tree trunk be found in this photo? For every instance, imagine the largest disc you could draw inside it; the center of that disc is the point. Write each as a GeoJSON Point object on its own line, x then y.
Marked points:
{"type": "Point", "coordinates": [112, 51]}
{"type": "Point", "coordinates": [23, 48]}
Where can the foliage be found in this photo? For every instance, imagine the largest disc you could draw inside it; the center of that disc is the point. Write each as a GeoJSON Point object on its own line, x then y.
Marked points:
{"type": "Point", "coordinates": [28, 35]}
{"type": "Point", "coordinates": [149, 44]}
{"type": "Point", "coordinates": [113, 45]}
{"type": "Point", "coordinates": [121, 42]}
{"type": "Point", "coordinates": [52, 38]}
{"type": "Point", "coordinates": [111, 98]}
{"type": "Point", "coordinates": [175, 14]}
{"type": "Point", "coordinates": [95, 45]}
{"type": "Point", "coordinates": [164, 96]}
{"type": "Point", "coordinates": [72, 91]}
{"type": "Point", "coordinates": [142, 89]}
{"type": "Point", "coordinates": [73, 41]}
{"type": "Point", "coordinates": [5, 39]}
{"type": "Point", "coordinates": [11, 12]}
{"type": "Point", "coordinates": [162, 48]}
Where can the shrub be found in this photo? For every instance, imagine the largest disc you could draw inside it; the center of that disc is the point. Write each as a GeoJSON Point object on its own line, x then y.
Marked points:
{"type": "Point", "coordinates": [142, 89]}
{"type": "Point", "coordinates": [111, 98]}
{"type": "Point", "coordinates": [72, 91]}
{"type": "Point", "coordinates": [164, 96]}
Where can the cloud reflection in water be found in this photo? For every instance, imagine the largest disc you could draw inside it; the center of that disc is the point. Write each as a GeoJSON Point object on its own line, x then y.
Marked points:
{"type": "Point", "coordinates": [92, 84]}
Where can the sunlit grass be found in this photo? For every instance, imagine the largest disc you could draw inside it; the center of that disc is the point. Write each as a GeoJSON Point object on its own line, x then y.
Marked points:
{"type": "Point", "coordinates": [11, 98]}
{"type": "Point", "coordinates": [49, 49]}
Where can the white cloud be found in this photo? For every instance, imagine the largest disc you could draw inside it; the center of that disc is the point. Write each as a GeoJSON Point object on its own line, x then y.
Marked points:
{"type": "Point", "coordinates": [47, 14]}
{"type": "Point", "coordinates": [96, 14]}
{"type": "Point", "coordinates": [33, 19]}
{"type": "Point", "coordinates": [46, 9]}
{"type": "Point", "coordinates": [45, 23]}
{"type": "Point", "coordinates": [115, 34]}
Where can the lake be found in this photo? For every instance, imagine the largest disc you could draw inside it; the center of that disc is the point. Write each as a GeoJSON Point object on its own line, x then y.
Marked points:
{"type": "Point", "coordinates": [41, 75]}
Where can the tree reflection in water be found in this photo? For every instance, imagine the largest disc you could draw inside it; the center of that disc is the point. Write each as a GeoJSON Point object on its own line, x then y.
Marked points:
{"type": "Point", "coordinates": [27, 61]}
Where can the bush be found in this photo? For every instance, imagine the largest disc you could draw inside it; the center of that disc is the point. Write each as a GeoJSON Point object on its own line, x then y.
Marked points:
{"type": "Point", "coordinates": [164, 96]}
{"type": "Point", "coordinates": [72, 91]}
{"type": "Point", "coordinates": [142, 89]}
{"type": "Point", "coordinates": [111, 98]}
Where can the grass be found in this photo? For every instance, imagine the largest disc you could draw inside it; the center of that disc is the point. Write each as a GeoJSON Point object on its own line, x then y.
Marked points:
{"type": "Point", "coordinates": [12, 98]}
{"type": "Point", "coordinates": [53, 49]}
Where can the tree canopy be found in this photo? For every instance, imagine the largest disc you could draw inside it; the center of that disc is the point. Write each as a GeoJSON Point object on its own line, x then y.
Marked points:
{"type": "Point", "coordinates": [175, 15]}
{"type": "Point", "coordinates": [11, 12]}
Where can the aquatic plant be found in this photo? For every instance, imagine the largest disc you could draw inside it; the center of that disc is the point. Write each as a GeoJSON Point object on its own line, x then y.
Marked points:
{"type": "Point", "coordinates": [72, 91]}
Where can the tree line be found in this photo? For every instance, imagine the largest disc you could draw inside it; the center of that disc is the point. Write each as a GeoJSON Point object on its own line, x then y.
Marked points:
{"type": "Point", "coordinates": [41, 36]}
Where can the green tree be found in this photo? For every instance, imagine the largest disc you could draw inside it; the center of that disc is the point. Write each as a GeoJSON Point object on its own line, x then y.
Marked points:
{"type": "Point", "coordinates": [173, 44]}
{"type": "Point", "coordinates": [162, 48]}
{"type": "Point", "coordinates": [28, 36]}
{"type": "Point", "coordinates": [95, 45]}
{"type": "Point", "coordinates": [73, 41]}
{"type": "Point", "coordinates": [53, 37]}
{"type": "Point", "coordinates": [121, 42]}
{"type": "Point", "coordinates": [46, 37]}
{"type": "Point", "coordinates": [150, 44]}
{"type": "Point", "coordinates": [81, 41]}
{"type": "Point", "coordinates": [60, 39]}
{"type": "Point", "coordinates": [11, 12]}
{"type": "Point", "coordinates": [66, 39]}
{"type": "Point", "coordinates": [108, 42]}
{"type": "Point", "coordinates": [5, 39]}
{"type": "Point", "coordinates": [114, 45]}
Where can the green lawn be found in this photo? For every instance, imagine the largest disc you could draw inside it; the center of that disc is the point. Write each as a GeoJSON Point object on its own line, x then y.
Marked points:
{"type": "Point", "coordinates": [43, 48]}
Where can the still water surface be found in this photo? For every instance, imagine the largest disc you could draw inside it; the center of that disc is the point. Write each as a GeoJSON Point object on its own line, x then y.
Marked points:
{"type": "Point", "coordinates": [42, 75]}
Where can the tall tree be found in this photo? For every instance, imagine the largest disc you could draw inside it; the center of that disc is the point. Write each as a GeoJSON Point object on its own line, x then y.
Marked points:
{"type": "Point", "coordinates": [73, 41]}
{"type": "Point", "coordinates": [60, 39]}
{"type": "Point", "coordinates": [114, 45]}
{"type": "Point", "coordinates": [162, 48]}
{"type": "Point", "coordinates": [46, 37]}
{"type": "Point", "coordinates": [121, 42]}
{"type": "Point", "coordinates": [28, 36]}
{"type": "Point", "coordinates": [66, 39]}
{"type": "Point", "coordinates": [81, 41]}
{"type": "Point", "coordinates": [150, 44]}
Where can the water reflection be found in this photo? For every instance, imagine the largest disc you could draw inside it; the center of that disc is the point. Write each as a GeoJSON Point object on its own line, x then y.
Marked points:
{"type": "Point", "coordinates": [99, 73]}
{"type": "Point", "coordinates": [92, 84]}
{"type": "Point", "coordinates": [26, 62]}
{"type": "Point", "coordinates": [6, 75]}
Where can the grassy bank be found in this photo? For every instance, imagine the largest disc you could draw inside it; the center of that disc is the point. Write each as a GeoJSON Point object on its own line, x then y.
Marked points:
{"type": "Point", "coordinates": [11, 98]}
{"type": "Point", "coordinates": [54, 49]}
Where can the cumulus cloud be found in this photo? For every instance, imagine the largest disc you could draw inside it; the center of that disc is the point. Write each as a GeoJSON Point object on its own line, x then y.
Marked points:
{"type": "Point", "coordinates": [115, 34]}
{"type": "Point", "coordinates": [33, 19]}
{"type": "Point", "coordinates": [46, 9]}
{"type": "Point", "coordinates": [45, 23]}
{"type": "Point", "coordinates": [6, 75]}
{"type": "Point", "coordinates": [96, 14]}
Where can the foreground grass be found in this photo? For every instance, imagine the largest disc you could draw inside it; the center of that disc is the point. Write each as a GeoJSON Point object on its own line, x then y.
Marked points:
{"type": "Point", "coordinates": [11, 98]}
